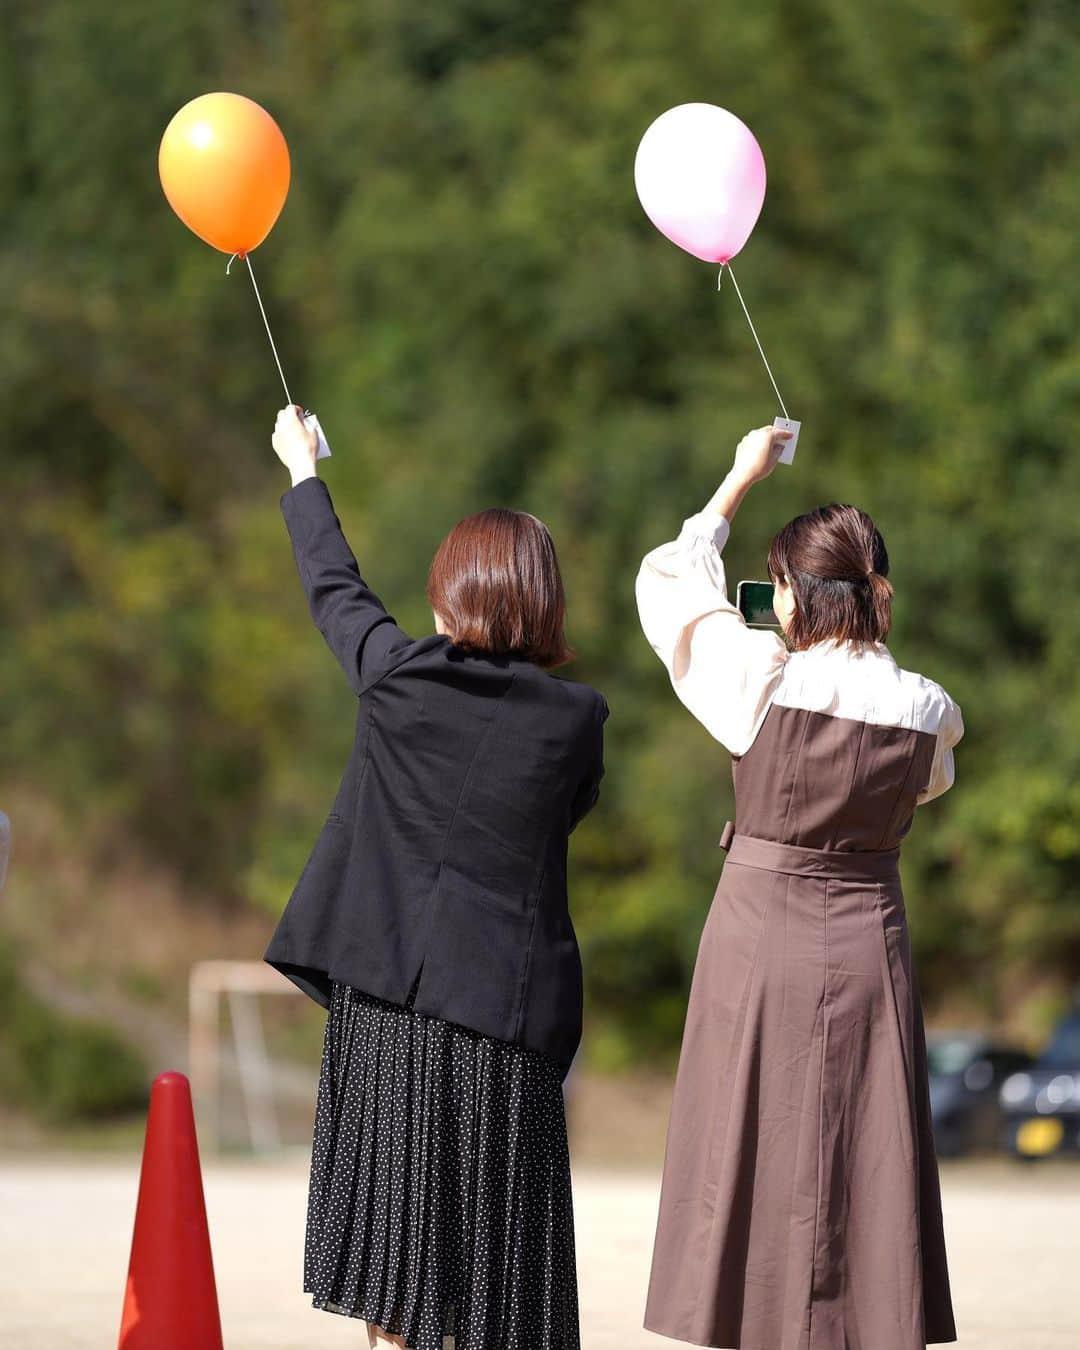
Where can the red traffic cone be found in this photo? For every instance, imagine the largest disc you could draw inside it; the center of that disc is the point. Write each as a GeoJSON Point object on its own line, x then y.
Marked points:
{"type": "Point", "coordinates": [170, 1302]}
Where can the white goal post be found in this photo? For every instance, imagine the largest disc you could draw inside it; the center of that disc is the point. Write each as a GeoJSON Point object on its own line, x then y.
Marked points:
{"type": "Point", "coordinates": [240, 984]}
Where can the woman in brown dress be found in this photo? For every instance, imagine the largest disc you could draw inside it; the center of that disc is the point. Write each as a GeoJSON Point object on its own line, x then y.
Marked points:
{"type": "Point", "coordinates": [800, 1206]}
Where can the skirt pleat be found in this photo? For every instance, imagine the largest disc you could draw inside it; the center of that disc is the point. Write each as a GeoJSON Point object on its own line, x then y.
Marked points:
{"type": "Point", "coordinates": [440, 1201]}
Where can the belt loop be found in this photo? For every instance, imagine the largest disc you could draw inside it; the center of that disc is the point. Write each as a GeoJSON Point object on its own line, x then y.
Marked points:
{"type": "Point", "coordinates": [727, 835]}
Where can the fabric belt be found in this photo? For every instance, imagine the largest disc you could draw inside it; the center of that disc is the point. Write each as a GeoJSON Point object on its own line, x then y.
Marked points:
{"type": "Point", "coordinates": [840, 864]}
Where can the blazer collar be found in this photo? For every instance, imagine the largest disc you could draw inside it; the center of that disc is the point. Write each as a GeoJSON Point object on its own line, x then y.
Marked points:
{"type": "Point", "coordinates": [493, 660]}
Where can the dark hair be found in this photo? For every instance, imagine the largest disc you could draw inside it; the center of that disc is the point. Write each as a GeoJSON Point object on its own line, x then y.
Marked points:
{"type": "Point", "coordinates": [495, 583]}
{"type": "Point", "coordinates": [836, 563]}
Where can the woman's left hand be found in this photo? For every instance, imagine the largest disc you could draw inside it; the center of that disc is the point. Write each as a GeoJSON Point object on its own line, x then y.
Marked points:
{"type": "Point", "coordinates": [295, 444]}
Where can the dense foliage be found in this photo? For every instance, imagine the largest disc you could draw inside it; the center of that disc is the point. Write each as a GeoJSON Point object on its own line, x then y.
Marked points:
{"type": "Point", "coordinates": [463, 285]}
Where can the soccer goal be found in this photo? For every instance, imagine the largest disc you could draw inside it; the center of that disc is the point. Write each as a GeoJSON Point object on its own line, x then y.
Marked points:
{"type": "Point", "coordinates": [238, 987]}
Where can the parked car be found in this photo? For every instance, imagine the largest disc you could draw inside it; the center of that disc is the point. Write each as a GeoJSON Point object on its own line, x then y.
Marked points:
{"type": "Point", "coordinates": [1041, 1104]}
{"type": "Point", "coordinates": [967, 1070]}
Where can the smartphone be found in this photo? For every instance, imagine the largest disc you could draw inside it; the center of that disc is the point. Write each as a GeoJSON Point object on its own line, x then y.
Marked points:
{"type": "Point", "coordinates": [754, 599]}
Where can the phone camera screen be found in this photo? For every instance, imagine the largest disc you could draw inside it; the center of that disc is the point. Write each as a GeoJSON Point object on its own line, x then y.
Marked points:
{"type": "Point", "coordinates": [756, 604]}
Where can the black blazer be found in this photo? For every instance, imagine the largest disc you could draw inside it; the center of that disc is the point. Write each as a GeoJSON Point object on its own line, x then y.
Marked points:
{"type": "Point", "coordinates": [443, 859]}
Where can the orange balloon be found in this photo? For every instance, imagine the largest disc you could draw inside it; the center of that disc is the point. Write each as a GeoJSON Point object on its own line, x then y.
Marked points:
{"type": "Point", "coordinates": [224, 168]}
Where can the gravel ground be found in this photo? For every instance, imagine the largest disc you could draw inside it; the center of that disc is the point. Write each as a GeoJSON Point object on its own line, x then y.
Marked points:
{"type": "Point", "coordinates": [65, 1229]}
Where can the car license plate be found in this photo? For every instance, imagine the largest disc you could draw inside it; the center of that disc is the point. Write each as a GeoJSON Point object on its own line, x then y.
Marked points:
{"type": "Point", "coordinates": [1038, 1137]}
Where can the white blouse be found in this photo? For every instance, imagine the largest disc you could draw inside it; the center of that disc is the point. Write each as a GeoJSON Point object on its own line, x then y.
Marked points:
{"type": "Point", "coordinates": [729, 674]}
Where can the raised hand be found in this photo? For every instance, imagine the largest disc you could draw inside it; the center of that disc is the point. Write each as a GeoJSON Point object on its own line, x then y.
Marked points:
{"type": "Point", "coordinates": [758, 453]}
{"type": "Point", "coordinates": [294, 443]}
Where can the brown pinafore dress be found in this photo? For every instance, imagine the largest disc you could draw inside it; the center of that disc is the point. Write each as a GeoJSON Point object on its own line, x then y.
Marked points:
{"type": "Point", "coordinates": [800, 1206]}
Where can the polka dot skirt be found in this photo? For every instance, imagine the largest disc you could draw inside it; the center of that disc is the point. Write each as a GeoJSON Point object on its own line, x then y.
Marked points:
{"type": "Point", "coordinates": [440, 1206]}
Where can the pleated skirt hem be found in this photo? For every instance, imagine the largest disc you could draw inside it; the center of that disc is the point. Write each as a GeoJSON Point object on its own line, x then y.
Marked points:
{"type": "Point", "coordinates": [440, 1198]}
{"type": "Point", "coordinates": [370, 1320]}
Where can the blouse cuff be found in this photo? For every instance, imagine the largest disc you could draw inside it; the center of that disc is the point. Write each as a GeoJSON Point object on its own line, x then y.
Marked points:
{"type": "Point", "coordinates": [707, 526]}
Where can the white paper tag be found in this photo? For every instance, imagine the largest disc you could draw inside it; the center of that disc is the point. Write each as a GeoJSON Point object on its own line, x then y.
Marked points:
{"type": "Point", "coordinates": [786, 424]}
{"type": "Point", "coordinates": [312, 422]}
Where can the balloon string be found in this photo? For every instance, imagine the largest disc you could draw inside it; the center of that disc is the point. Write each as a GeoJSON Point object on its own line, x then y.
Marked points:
{"type": "Point", "coordinates": [266, 323]}
{"type": "Point", "coordinates": [753, 330]}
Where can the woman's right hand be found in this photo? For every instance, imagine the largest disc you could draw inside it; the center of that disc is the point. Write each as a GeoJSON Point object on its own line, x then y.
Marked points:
{"type": "Point", "coordinates": [758, 453]}
{"type": "Point", "coordinates": [295, 444]}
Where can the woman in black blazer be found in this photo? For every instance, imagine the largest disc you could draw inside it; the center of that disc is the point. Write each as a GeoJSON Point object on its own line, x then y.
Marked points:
{"type": "Point", "coordinates": [431, 921]}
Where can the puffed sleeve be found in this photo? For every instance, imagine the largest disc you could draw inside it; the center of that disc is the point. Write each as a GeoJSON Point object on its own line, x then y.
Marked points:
{"type": "Point", "coordinates": [942, 771]}
{"type": "Point", "coordinates": [723, 671]}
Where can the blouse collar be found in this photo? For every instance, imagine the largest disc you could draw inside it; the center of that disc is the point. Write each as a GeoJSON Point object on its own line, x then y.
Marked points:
{"type": "Point", "coordinates": [849, 648]}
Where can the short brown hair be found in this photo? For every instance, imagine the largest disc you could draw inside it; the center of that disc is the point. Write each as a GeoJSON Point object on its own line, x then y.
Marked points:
{"type": "Point", "coordinates": [836, 563]}
{"type": "Point", "coordinates": [496, 585]}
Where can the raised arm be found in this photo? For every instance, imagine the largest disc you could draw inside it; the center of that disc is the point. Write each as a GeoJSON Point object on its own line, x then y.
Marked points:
{"type": "Point", "coordinates": [348, 613]}
{"type": "Point", "coordinates": [723, 671]}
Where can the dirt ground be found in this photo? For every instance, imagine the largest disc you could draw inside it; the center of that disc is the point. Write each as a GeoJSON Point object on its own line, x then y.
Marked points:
{"type": "Point", "coordinates": [65, 1230]}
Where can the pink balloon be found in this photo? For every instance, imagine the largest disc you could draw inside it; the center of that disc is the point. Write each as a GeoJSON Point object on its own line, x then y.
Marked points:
{"type": "Point", "coordinates": [700, 175]}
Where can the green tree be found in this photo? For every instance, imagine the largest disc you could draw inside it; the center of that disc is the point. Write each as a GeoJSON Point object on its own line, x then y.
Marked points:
{"type": "Point", "coordinates": [464, 286]}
